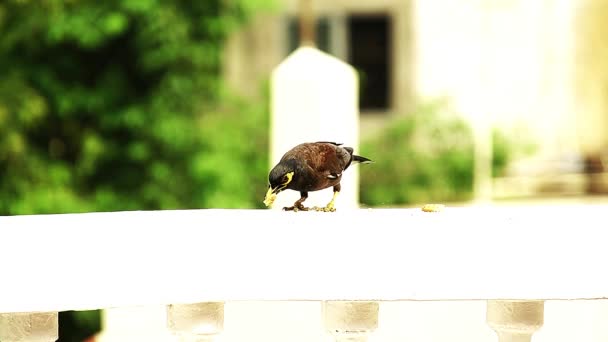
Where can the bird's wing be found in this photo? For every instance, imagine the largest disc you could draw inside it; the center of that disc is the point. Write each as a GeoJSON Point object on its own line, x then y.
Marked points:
{"type": "Point", "coordinates": [328, 159]}
{"type": "Point", "coordinates": [328, 142]}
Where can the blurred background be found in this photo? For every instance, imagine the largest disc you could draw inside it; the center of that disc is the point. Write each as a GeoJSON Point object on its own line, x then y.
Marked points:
{"type": "Point", "coordinates": [145, 104]}
{"type": "Point", "coordinates": [520, 86]}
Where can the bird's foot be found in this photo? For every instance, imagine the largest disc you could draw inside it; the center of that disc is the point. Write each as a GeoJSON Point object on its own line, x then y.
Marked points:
{"type": "Point", "coordinates": [327, 209]}
{"type": "Point", "coordinates": [296, 208]}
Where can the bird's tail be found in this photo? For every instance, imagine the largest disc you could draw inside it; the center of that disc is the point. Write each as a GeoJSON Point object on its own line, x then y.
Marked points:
{"type": "Point", "coordinates": [362, 160]}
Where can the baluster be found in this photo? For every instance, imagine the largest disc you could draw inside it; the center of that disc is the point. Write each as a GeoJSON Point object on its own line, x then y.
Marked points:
{"type": "Point", "coordinates": [29, 327]}
{"type": "Point", "coordinates": [199, 322]}
{"type": "Point", "coordinates": [350, 321]}
{"type": "Point", "coordinates": [515, 320]}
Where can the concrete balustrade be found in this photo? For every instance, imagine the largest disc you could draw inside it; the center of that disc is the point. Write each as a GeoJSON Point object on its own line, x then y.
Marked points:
{"type": "Point", "coordinates": [352, 260]}
{"type": "Point", "coordinates": [515, 321]}
{"type": "Point", "coordinates": [29, 327]}
{"type": "Point", "coordinates": [350, 321]}
{"type": "Point", "coordinates": [199, 322]}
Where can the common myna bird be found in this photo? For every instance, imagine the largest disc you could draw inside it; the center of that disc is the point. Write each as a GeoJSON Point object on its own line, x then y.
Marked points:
{"type": "Point", "coordinates": [311, 167]}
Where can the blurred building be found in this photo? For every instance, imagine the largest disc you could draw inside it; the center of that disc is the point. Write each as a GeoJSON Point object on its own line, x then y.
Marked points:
{"type": "Point", "coordinates": [536, 68]}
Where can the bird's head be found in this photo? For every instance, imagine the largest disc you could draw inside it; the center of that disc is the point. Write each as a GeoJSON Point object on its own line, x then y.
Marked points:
{"type": "Point", "coordinates": [278, 180]}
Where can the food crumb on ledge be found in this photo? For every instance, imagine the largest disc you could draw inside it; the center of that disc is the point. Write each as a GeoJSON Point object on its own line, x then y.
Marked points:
{"type": "Point", "coordinates": [433, 208]}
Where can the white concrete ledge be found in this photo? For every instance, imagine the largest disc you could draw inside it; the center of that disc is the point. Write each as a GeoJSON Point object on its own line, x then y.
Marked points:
{"type": "Point", "coordinates": [100, 260]}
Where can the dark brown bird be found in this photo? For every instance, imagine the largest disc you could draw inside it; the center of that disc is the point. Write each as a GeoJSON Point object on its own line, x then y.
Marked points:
{"type": "Point", "coordinates": [311, 167]}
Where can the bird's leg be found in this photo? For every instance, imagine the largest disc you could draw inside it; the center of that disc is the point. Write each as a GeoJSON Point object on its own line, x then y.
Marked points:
{"type": "Point", "coordinates": [330, 205]}
{"type": "Point", "coordinates": [298, 204]}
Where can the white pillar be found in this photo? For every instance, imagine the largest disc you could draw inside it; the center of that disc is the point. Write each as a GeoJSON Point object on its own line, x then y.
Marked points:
{"type": "Point", "coordinates": [199, 322]}
{"type": "Point", "coordinates": [591, 27]}
{"type": "Point", "coordinates": [314, 98]}
{"type": "Point", "coordinates": [515, 320]}
{"type": "Point", "coordinates": [29, 327]}
{"type": "Point", "coordinates": [350, 321]}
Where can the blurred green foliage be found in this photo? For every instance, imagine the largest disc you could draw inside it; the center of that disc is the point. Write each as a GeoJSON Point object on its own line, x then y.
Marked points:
{"type": "Point", "coordinates": [119, 105]}
{"type": "Point", "coordinates": [427, 156]}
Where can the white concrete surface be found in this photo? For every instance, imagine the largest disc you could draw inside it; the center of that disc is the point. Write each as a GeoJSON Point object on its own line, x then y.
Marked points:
{"type": "Point", "coordinates": [164, 257]}
{"type": "Point", "coordinates": [135, 323]}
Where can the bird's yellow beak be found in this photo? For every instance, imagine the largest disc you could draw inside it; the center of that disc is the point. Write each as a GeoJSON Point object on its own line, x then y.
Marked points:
{"type": "Point", "coordinates": [271, 195]}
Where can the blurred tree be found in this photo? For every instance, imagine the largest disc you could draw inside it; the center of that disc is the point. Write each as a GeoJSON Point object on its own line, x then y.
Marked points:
{"type": "Point", "coordinates": [119, 105]}
{"type": "Point", "coordinates": [424, 156]}
{"type": "Point", "coordinates": [427, 156]}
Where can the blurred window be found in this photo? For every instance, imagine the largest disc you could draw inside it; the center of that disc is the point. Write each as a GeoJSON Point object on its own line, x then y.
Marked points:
{"type": "Point", "coordinates": [366, 44]}
{"type": "Point", "coordinates": [369, 52]}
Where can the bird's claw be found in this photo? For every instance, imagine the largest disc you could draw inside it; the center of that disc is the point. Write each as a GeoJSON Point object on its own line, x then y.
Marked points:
{"type": "Point", "coordinates": [295, 208]}
{"type": "Point", "coordinates": [325, 209]}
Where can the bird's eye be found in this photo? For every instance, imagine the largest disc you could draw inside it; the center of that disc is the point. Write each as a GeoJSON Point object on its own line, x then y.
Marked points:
{"type": "Point", "coordinates": [284, 180]}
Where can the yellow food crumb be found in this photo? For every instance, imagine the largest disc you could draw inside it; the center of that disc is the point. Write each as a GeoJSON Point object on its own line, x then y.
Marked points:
{"type": "Point", "coordinates": [270, 199]}
{"type": "Point", "coordinates": [433, 208]}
